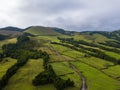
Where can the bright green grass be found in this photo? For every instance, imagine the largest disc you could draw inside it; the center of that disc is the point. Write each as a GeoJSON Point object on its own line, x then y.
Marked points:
{"type": "Point", "coordinates": [51, 38]}
{"type": "Point", "coordinates": [100, 38]}
{"type": "Point", "coordinates": [59, 58]}
{"type": "Point", "coordinates": [93, 61]}
{"type": "Point", "coordinates": [73, 54]}
{"type": "Point", "coordinates": [5, 65]}
{"type": "Point", "coordinates": [109, 53]}
{"type": "Point", "coordinates": [62, 68]}
{"type": "Point", "coordinates": [75, 78]}
{"type": "Point", "coordinates": [90, 38]}
{"type": "Point", "coordinates": [60, 48]}
{"type": "Point", "coordinates": [47, 49]}
{"type": "Point", "coordinates": [67, 51]}
{"type": "Point", "coordinates": [113, 71]}
{"type": "Point", "coordinates": [44, 31]}
{"type": "Point", "coordinates": [13, 40]}
{"type": "Point", "coordinates": [112, 54]}
{"type": "Point", "coordinates": [96, 80]}
{"type": "Point", "coordinates": [96, 62]}
{"type": "Point", "coordinates": [80, 37]}
{"type": "Point", "coordinates": [22, 80]}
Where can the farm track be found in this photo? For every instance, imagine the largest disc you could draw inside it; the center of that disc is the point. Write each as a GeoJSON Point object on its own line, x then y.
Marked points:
{"type": "Point", "coordinates": [84, 85]}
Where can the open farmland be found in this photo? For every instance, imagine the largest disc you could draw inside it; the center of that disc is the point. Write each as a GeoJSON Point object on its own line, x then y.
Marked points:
{"type": "Point", "coordinates": [5, 64]}
{"type": "Point", "coordinates": [25, 75]}
{"type": "Point", "coordinates": [53, 59]}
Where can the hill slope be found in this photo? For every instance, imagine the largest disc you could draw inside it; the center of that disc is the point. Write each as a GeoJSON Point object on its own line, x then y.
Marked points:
{"type": "Point", "coordinates": [45, 31]}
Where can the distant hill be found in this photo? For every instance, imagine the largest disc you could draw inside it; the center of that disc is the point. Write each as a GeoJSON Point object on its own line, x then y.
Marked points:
{"type": "Point", "coordinates": [97, 36]}
{"type": "Point", "coordinates": [10, 28]}
{"type": "Point", "coordinates": [50, 31]}
{"type": "Point", "coordinates": [112, 35]}
{"type": "Point", "coordinates": [10, 32]}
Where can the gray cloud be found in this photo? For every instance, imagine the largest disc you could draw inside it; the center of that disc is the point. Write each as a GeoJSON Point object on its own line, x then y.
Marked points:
{"type": "Point", "coordinates": [68, 14]}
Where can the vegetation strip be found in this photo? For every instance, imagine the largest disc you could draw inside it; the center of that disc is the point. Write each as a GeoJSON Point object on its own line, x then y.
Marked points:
{"type": "Point", "coordinates": [84, 85]}
{"type": "Point", "coordinates": [19, 52]}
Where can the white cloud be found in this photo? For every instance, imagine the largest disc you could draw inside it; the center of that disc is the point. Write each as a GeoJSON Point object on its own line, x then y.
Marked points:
{"type": "Point", "coordinates": [68, 14]}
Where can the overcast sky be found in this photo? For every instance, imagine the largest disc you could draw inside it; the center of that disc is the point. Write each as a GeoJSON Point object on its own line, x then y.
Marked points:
{"type": "Point", "coordinates": [68, 14]}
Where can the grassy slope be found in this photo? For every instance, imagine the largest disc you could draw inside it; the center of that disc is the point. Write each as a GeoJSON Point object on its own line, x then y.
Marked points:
{"type": "Point", "coordinates": [13, 40]}
{"type": "Point", "coordinates": [93, 61]}
{"type": "Point", "coordinates": [22, 80]}
{"type": "Point", "coordinates": [109, 53]}
{"type": "Point", "coordinates": [63, 69]}
{"type": "Point", "coordinates": [112, 54]}
{"type": "Point", "coordinates": [91, 38]}
{"type": "Point", "coordinates": [43, 31]}
{"type": "Point", "coordinates": [59, 58]}
{"type": "Point", "coordinates": [113, 71]}
{"type": "Point", "coordinates": [96, 62]}
{"type": "Point", "coordinates": [95, 79]}
{"type": "Point", "coordinates": [5, 65]}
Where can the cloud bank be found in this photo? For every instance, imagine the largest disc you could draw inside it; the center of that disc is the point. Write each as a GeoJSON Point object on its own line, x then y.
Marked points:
{"type": "Point", "coordinates": [76, 15]}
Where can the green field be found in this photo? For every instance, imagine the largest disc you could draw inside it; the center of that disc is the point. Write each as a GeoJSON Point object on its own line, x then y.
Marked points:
{"type": "Point", "coordinates": [68, 52]}
{"type": "Point", "coordinates": [90, 38]}
{"type": "Point", "coordinates": [13, 40]}
{"type": "Point", "coordinates": [96, 62]}
{"type": "Point", "coordinates": [112, 54]}
{"type": "Point", "coordinates": [44, 31]}
{"type": "Point", "coordinates": [22, 80]}
{"type": "Point", "coordinates": [50, 38]}
{"type": "Point", "coordinates": [76, 55]}
{"type": "Point", "coordinates": [60, 58]}
{"type": "Point", "coordinates": [60, 48]}
{"type": "Point", "coordinates": [66, 62]}
{"type": "Point", "coordinates": [5, 64]}
{"type": "Point", "coordinates": [113, 71]}
{"type": "Point", "coordinates": [95, 79]}
{"type": "Point", "coordinates": [48, 50]}
{"type": "Point", "coordinates": [63, 69]}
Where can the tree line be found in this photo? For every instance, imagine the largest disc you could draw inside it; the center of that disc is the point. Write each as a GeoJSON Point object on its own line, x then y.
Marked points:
{"type": "Point", "coordinates": [49, 76]}
{"type": "Point", "coordinates": [21, 53]}
{"type": "Point", "coordinates": [91, 52]}
{"type": "Point", "coordinates": [108, 43]}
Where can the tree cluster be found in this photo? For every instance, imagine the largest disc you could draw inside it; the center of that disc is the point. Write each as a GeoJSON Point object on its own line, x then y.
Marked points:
{"type": "Point", "coordinates": [91, 51]}
{"type": "Point", "coordinates": [108, 43]}
{"type": "Point", "coordinates": [22, 55]}
{"type": "Point", "coordinates": [49, 76]}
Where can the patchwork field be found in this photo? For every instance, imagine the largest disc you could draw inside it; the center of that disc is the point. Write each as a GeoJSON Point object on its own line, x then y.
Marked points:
{"type": "Point", "coordinates": [95, 79]}
{"type": "Point", "coordinates": [13, 40]}
{"type": "Point", "coordinates": [63, 69]}
{"type": "Point", "coordinates": [113, 71]}
{"type": "Point", "coordinates": [88, 71]}
{"type": "Point", "coordinates": [5, 64]}
{"type": "Point", "coordinates": [22, 80]}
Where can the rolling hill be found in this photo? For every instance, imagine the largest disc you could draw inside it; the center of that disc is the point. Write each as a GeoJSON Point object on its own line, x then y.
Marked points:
{"type": "Point", "coordinates": [10, 32]}
{"type": "Point", "coordinates": [48, 58]}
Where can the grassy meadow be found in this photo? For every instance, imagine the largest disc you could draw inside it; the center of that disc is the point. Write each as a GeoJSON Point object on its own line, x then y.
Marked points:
{"type": "Point", "coordinates": [22, 80]}
{"type": "Point", "coordinates": [5, 64]}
